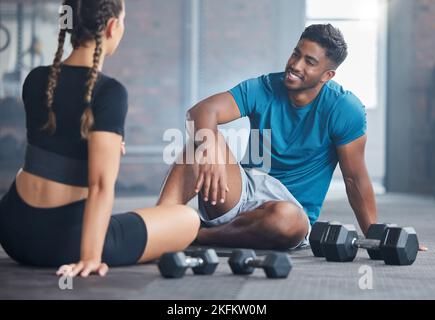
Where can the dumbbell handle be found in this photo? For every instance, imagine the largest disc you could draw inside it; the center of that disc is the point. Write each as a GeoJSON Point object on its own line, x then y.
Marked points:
{"type": "Point", "coordinates": [194, 262]}
{"type": "Point", "coordinates": [367, 243]}
{"type": "Point", "coordinates": [256, 263]}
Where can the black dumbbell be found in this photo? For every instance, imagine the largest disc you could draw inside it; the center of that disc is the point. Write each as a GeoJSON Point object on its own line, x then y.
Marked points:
{"type": "Point", "coordinates": [275, 265]}
{"type": "Point", "coordinates": [316, 237]}
{"type": "Point", "coordinates": [318, 232]}
{"type": "Point", "coordinates": [375, 232]}
{"type": "Point", "coordinates": [174, 265]}
{"type": "Point", "coordinates": [397, 246]}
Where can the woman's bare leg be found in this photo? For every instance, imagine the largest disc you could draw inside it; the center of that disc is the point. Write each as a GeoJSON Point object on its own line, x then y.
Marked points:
{"type": "Point", "coordinates": [170, 228]}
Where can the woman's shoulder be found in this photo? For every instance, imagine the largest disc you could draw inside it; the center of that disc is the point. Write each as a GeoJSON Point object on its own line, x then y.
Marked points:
{"type": "Point", "coordinates": [38, 73]}
{"type": "Point", "coordinates": [35, 79]}
{"type": "Point", "coordinates": [110, 94]}
{"type": "Point", "coordinates": [110, 106]}
{"type": "Point", "coordinates": [110, 89]}
{"type": "Point", "coordinates": [111, 85]}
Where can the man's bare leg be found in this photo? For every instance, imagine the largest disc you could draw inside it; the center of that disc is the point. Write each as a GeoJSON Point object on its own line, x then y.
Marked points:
{"type": "Point", "coordinates": [179, 187]}
{"type": "Point", "coordinates": [274, 225]}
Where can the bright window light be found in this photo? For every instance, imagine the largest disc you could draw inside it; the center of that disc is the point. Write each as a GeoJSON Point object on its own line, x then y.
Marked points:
{"type": "Point", "coordinates": [358, 20]}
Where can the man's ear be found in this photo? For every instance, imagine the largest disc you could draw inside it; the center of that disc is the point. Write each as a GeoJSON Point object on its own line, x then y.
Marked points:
{"type": "Point", "coordinates": [111, 26]}
{"type": "Point", "coordinates": [328, 75]}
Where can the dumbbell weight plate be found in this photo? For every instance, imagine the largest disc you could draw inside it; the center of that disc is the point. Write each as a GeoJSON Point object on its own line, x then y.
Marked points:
{"type": "Point", "coordinates": [316, 237]}
{"type": "Point", "coordinates": [337, 245]}
{"type": "Point", "coordinates": [211, 261]}
{"type": "Point", "coordinates": [277, 265]}
{"type": "Point", "coordinates": [172, 265]}
{"type": "Point", "coordinates": [375, 232]}
{"type": "Point", "coordinates": [237, 261]}
{"type": "Point", "coordinates": [399, 246]}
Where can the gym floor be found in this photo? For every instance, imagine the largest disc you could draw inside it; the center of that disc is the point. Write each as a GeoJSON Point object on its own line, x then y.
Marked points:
{"type": "Point", "coordinates": [310, 278]}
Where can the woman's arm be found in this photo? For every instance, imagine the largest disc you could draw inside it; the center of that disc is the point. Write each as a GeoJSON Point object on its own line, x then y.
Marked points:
{"type": "Point", "coordinates": [104, 160]}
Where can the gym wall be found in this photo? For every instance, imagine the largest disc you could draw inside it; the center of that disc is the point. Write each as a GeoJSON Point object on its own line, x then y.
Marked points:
{"type": "Point", "coordinates": [176, 52]}
{"type": "Point", "coordinates": [410, 98]}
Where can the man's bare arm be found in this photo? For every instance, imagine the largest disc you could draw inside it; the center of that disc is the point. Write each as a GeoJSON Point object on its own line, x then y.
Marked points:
{"type": "Point", "coordinates": [206, 116]}
{"type": "Point", "coordinates": [218, 109]}
{"type": "Point", "coordinates": [358, 184]}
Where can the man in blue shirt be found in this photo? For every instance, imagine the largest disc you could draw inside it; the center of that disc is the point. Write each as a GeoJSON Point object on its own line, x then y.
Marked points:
{"type": "Point", "coordinates": [313, 124]}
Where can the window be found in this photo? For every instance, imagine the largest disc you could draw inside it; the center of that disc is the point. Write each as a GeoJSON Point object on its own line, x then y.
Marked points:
{"type": "Point", "coordinates": [360, 21]}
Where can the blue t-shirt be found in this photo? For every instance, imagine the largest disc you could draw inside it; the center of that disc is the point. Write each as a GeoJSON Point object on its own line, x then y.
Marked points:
{"type": "Point", "coordinates": [302, 149]}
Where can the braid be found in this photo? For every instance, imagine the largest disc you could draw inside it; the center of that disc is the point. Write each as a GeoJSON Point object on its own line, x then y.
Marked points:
{"type": "Point", "coordinates": [50, 125]}
{"type": "Point", "coordinates": [87, 119]}
{"type": "Point", "coordinates": [90, 21]}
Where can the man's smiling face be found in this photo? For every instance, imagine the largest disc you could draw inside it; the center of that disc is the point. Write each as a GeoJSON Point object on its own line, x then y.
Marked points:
{"type": "Point", "coordinates": [307, 66]}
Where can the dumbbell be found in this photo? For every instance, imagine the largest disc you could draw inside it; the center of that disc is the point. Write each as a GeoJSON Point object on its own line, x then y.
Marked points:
{"type": "Point", "coordinates": [175, 264]}
{"type": "Point", "coordinates": [275, 265]}
{"type": "Point", "coordinates": [318, 232]}
{"type": "Point", "coordinates": [396, 246]}
{"type": "Point", "coordinates": [375, 232]}
{"type": "Point", "coordinates": [316, 237]}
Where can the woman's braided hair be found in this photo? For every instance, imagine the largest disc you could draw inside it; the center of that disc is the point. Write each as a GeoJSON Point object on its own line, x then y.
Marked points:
{"type": "Point", "coordinates": [90, 18]}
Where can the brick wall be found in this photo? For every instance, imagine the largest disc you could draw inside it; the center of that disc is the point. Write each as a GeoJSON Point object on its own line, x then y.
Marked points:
{"type": "Point", "coordinates": [238, 39]}
{"type": "Point", "coordinates": [148, 63]}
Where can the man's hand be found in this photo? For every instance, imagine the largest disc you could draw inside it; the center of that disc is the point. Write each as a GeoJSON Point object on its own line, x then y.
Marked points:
{"type": "Point", "coordinates": [422, 248]}
{"type": "Point", "coordinates": [207, 115]}
{"type": "Point", "coordinates": [212, 178]}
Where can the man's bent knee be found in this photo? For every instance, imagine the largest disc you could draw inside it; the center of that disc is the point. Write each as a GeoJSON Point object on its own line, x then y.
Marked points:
{"type": "Point", "coordinates": [287, 222]}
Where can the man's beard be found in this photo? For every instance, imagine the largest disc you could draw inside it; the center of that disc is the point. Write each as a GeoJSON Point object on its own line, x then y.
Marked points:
{"type": "Point", "coordinates": [305, 86]}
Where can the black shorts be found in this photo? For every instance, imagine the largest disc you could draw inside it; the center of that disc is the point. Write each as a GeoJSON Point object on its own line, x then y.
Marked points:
{"type": "Point", "coordinates": [52, 237]}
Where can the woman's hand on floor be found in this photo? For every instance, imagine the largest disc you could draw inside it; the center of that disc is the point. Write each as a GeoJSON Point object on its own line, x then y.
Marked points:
{"type": "Point", "coordinates": [83, 268]}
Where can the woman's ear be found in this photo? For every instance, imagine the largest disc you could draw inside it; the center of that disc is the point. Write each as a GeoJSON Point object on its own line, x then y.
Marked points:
{"type": "Point", "coordinates": [111, 27]}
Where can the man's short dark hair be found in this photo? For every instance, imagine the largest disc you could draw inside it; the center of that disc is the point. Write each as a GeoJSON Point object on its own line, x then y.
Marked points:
{"type": "Point", "coordinates": [330, 38]}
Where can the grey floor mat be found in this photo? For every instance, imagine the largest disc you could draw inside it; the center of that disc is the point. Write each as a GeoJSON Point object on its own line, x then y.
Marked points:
{"type": "Point", "coordinates": [310, 278]}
